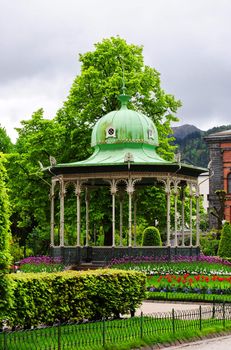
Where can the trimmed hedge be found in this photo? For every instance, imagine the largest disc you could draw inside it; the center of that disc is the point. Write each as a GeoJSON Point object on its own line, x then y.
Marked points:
{"type": "Point", "coordinates": [224, 249]}
{"type": "Point", "coordinates": [46, 298]}
{"type": "Point", "coordinates": [151, 237]}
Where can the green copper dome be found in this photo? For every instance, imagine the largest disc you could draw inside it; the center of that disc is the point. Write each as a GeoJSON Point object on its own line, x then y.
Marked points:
{"type": "Point", "coordinates": [121, 137]}
{"type": "Point", "coordinates": [124, 126]}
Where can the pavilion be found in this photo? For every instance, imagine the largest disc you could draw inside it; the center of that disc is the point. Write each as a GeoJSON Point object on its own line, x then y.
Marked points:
{"type": "Point", "coordinates": [124, 158]}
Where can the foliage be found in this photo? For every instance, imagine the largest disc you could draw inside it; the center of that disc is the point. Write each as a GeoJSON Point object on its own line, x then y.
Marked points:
{"type": "Point", "coordinates": [29, 186]}
{"type": "Point", "coordinates": [94, 92]}
{"type": "Point", "coordinates": [209, 243]}
{"type": "Point", "coordinates": [151, 237]}
{"type": "Point", "coordinates": [5, 236]}
{"type": "Point", "coordinates": [224, 249]}
{"type": "Point", "coordinates": [44, 298]}
{"type": "Point", "coordinates": [5, 257]}
{"type": "Point", "coordinates": [6, 145]}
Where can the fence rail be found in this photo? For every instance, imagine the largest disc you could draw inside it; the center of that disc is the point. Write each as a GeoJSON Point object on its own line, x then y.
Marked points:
{"type": "Point", "coordinates": [94, 335]}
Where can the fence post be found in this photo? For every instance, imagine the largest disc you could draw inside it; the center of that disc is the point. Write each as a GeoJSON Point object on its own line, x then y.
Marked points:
{"type": "Point", "coordinates": [173, 321]}
{"type": "Point", "coordinates": [200, 317]}
{"type": "Point", "coordinates": [223, 312]}
{"type": "Point", "coordinates": [214, 310]}
{"type": "Point", "coordinates": [141, 325]}
{"type": "Point", "coordinates": [59, 336]}
{"type": "Point", "coordinates": [104, 332]}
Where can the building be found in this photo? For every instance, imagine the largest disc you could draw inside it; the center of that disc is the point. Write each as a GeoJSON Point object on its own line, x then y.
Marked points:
{"type": "Point", "coordinates": [220, 177]}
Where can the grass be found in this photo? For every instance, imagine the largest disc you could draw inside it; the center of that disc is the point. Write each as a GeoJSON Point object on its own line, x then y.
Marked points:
{"type": "Point", "coordinates": [172, 296]}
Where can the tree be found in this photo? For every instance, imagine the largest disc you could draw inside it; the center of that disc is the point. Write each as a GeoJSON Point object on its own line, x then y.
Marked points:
{"type": "Point", "coordinates": [94, 93]}
{"type": "Point", "coordinates": [6, 145]}
{"type": "Point", "coordinates": [224, 249]}
{"type": "Point", "coordinates": [5, 257]}
{"type": "Point", "coordinates": [38, 139]}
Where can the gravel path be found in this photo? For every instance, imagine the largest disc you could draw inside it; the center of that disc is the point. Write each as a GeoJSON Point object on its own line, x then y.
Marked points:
{"type": "Point", "coordinates": [221, 343]}
{"type": "Point", "coordinates": [150, 307]}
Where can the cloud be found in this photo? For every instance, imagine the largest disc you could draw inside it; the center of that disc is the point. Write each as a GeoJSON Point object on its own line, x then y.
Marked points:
{"type": "Point", "coordinates": [186, 41]}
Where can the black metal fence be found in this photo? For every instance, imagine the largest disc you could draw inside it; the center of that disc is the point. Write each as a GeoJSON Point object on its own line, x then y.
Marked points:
{"type": "Point", "coordinates": [96, 335]}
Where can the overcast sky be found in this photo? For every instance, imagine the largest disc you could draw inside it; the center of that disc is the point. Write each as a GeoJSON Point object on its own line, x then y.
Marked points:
{"type": "Point", "coordinates": [187, 41]}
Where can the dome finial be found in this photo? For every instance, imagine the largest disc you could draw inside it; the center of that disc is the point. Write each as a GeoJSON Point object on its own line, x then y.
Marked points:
{"type": "Point", "coordinates": [124, 99]}
{"type": "Point", "coordinates": [123, 86]}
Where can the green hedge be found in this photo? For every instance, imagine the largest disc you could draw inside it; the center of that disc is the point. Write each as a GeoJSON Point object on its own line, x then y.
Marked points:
{"type": "Point", "coordinates": [44, 298]}
{"type": "Point", "coordinates": [224, 249]}
{"type": "Point", "coordinates": [151, 237]}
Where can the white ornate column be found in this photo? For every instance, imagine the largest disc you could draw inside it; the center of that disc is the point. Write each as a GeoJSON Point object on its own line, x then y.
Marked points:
{"type": "Point", "coordinates": [87, 199]}
{"type": "Point", "coordinates": [121, 199]}
{"type": "Point", "coordinates": [52, 199]}
{"type": "Point", "coordinates": [167, 188]}
{"type": "Point", "coordinates": [168, 195]}
{"type": "Point", "coordinates": [190, 213]}
{"type": "Point", "coordinates": [135, 210]}
{"type": "Point", "coordinates": [113, 193]}
{"type": "Point", "coordinates": [175, 212]}
{"type": "Point", "coordinates": [61, 196]}
{"type": "Point", "coordinates": [197, 215]}
{"type": "Point", "coordinates": [130, 190]}
{"type": "Point", "coordinates": [182, 215]}
{"type": "Point", "coordinates": [78, 191]}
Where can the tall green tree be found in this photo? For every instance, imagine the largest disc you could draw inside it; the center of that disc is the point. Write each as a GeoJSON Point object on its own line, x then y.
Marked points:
{"type": "Point", "coordinates": [38, 139]}
{"type": "Point", "coordinates": [6, 146]}
{"type": "Point", "coordinates": [5, 236]}
{"type": "Point", "coordinates": [94, 93]}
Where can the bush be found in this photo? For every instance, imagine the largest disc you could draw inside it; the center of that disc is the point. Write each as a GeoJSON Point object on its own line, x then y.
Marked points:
{"type": "Point", "coordinates": [44, 298]}
{"type": "Point", "coordinates": [224, 250]}
{"type": "Point", "coordinates": [151, 237]}
{"type": "Point", "coordinates": [209, 243]}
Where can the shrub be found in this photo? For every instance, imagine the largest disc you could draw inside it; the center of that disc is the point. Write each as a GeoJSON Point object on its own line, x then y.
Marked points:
{"type": "Point", "coordinates": [44, 298]}
{"type": "Point", "coordinates": [151, 237]}
{"type": "Point", "coordinates": [209, 243]}
{"type": "Point", "coordinates": [225, 241]}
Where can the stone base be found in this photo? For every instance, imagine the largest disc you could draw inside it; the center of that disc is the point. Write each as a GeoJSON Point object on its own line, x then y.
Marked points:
{"type": "Point", "coordinates": [103, 255]}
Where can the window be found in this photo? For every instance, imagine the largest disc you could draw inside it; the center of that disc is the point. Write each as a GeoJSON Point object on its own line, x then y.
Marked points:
{"type": "Point", "coordinates": [110, 132]}
{"type": "Point", "coordinates": [150, 134]}
{"type": "Point", "coordinates": [229, 183]}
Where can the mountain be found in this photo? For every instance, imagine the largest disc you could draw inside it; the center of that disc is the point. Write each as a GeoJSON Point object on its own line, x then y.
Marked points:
{"type": "Point", "coordinates": [180, 132]}
{"type": "Point", "coordinates": [190, 143]}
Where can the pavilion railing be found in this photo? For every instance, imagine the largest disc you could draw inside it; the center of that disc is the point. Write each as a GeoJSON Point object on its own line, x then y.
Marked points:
{"type": "Point", "coordinates": [96, 254]}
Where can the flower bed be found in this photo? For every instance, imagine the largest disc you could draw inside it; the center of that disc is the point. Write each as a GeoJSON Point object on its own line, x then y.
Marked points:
{"type": "Point", "coordinates": [181, 265]}
{"type": "Point", "coordinates": [190, 284]}
{"type": "Point", "coordinates": [41, 264]}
